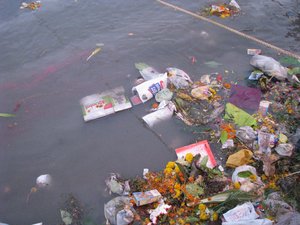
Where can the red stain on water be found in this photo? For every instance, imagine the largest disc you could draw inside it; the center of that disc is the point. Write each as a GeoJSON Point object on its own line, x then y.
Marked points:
{"type": "Point", "coordinates": [44, 73]}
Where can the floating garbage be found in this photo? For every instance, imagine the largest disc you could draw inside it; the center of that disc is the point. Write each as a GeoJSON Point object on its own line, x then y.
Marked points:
{"type": "Point", "coordinates": [178, 78]}
{"type": "Point", "coordinates": [147, 72]}
{"type": "Point", "coordinates": [103, 104]}
{"type": "Point", "coordinates": [32, 5]}
{"type": "Point", "coordinates": [150, 88]}
{"type": "Point", "coordinates": [44, 180]}
{"type": "Point", "coordinates": [253, 51]}
{"type": "Point", "coordinates": [269, 66]}
{"type": "Point", "coordinates": [285, 149]}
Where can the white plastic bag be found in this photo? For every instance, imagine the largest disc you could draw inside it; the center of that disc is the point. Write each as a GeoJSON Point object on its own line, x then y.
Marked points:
{"type": "Point", "coordinates": [160, 115]}
{"type": "Point", "coordinates": [245, 211]}
{"type": "Point", "coordinates": [250, 222]}
{"type": "Point", "coordinates": [269, 66]}
{"type": "Point", "coordinates": [178, 77]}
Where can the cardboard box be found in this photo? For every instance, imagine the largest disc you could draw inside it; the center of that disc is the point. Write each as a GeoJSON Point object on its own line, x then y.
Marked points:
{"type": "Point", "coordinates": [201, 148]}
{"type": "Point", "coordinates": [144, 198]}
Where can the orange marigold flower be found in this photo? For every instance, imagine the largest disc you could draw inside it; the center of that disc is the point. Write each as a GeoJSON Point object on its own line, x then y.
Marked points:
{"type": "Point", "coordinates": [170, 165]}
{"type": "Point", "coordinates": [237, 185]}
{"type": "Point", "coordinates": [227, 85]}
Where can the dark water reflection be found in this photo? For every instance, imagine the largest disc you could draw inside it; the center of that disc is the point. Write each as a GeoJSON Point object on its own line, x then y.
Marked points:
{"type": "Point", "coordinates": [44, 74]}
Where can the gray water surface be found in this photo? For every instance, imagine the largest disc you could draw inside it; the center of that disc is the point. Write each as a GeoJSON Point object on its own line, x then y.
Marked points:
{"type": "Point", "coordinates": [44, 74]}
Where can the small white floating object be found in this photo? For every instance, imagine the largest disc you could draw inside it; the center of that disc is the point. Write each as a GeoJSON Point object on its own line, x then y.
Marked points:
{"type": "Point", "coordinates": [43, 180]}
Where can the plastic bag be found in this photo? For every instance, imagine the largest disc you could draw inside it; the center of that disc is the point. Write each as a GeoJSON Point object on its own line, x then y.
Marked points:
{"type": "Point", "coordinates": [246, 134]}
{"type": "Point", "coordinates": [266, 141]}
{"type": "Point", "coordinates": [43, 180]}
{"type": "Point", "coordinates": [251, 222]}
{"type": "Point", "coordinates": [119, 211]}
{"type": "Point", "coordinates": [269, 66]}
{"type": "Point", "coordinates": [247, 177]}
{"type": "Point", "coordinates": [285, 149]}
{"type": "Point", "coordinates": [178, 77]}
{"type": "Point", "coordinates": [245, 211]}
{"type": "Point", "coordinates": [160, 115]}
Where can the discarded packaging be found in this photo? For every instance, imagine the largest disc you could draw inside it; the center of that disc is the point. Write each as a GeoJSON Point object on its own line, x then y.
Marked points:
{"type": "Point", "coordinates": [150, 88]}
{"type": "Point", "coordinates": [269, 66]}
{"type": "Point", "coordinates": [255, 75]}
{"type": "Point", "coordinates": [96, 51]}
{"type": "Point", "coordinates": [43, 180]}
{"type": "Point", "coordinates": [160, 115]}
{"type": "Point", "coordinates": [147, 71]}
{"type": "Point", "coordinates": [161, 209]}
{"type": "Point", "coordinates": [147, 197]}
{"type": "Point", "coordinates": [239, 158]}
{"type": "Point", "coordinates": [253, 51]}
{"type": "Point", "coordinates": [100, 105]}
{"type": "Point", "coordinates": [263, 107]}
{"type": "Point", "coordinates": [245, 211]}
{"type": "Point", "coordinates": [285, 149]}
{"type": "Point", "coordinates": [178, 78]}
{"type": "Point", "coordinates": [266, 141]}
{"type": "Point", "coordinates": [119, 211]}
{"type": "Point", "coordinates": [201, 148]}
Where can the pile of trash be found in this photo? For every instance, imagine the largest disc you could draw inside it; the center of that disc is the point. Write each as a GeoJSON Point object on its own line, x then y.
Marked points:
{"type": "Point", "coordinates": [222, 10]}
{"type": "Point", "coordinates": [256, 127]}
{"type": "Point", "coordinates": [32, 5]}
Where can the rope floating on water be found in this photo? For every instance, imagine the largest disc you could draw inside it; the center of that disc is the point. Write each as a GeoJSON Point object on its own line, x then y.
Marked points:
{"type": "Point", "coordinates": [283, 51]}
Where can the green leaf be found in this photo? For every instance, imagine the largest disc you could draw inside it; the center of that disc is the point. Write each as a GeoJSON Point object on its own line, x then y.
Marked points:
{"type": "Point", "coordinates": [192, 219]}
{"type": "Point", "coordinates": [224, 136]}
{"type": "Point", "coordinates": [194, 189]}
{"type": "Point", "coordinates": [295, 70]}
{"type": "Point", "coordinates": [66, 217]}
{"type": "Point", "coordinates": [204, 161]}
{"type": "Point", "coordinates": [213, 64]}
{"type": "Point", "coordinates": [7, 115]}
{"type": "Point", "coordinates": [244, 174]}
